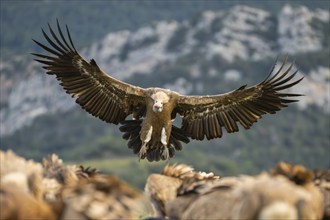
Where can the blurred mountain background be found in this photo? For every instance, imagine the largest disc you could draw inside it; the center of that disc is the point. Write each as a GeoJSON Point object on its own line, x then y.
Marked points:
{"type": "Point", "coordinates": [204, 47]}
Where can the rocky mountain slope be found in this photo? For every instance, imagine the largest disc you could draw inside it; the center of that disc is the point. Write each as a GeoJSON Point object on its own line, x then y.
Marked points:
{"type": "Point", "coordinates": [240, 35]}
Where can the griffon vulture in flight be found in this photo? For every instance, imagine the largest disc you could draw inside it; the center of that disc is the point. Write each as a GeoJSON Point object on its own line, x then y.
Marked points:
{"type": "Point", "coordinates": [150, 132]}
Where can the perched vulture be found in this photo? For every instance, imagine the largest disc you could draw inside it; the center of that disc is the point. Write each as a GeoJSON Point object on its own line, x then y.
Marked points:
{"type": "Point", "coordinates": [51, 190]}
{"type": "Point", "coordinates": [322, 181]}
{"type": "Point", "coordinates": [150, 132]}
{"type": "Point", "coordinates": [194, 195]}
{"type": "Point", "coordinates": [102, 197]}
{"type": "Point", "coordinates": [22, 190]}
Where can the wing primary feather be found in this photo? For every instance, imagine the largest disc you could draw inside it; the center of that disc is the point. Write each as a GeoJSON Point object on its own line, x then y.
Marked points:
{"type": "Point", "coordinates": [49, 63]}
{"type": "Point", "coordinates": [62, 70]}
{"type": "Point", "coordinates": [278, 71]}
{"type": "Point", "coordinates": [289, 94]}
{"type": "Point", "coordinates": [52, 43]}
{"type": "Point", "coordinates": [62, 36]}
{"type": "Point", "coordinates": [47, 48]}
{"type": "Point", "coordinates": [289, 85]}
{"type": "Point", "coordinates": [284, 80]}
{"type": "Point", "coordinates": [275, 80]}
{"type": "Point", "coordinates": [52, 71]}
{"type": "Point", "coordinates": [46, 57]}
{"type": "Point", "coordinates": [56, 39]}
{"type": "Point", "coordinates": [289, 100]}
{"type": "Point", "coordinates": [68, 32]}
{"type": "Point", "coordinates": [271, 70]}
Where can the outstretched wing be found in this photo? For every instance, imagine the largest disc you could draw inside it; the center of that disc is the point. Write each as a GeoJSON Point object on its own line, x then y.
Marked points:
{"type": "Point", "coordinates": [206, 115]}
{"type": "Point", "coordinates": [99, 94]}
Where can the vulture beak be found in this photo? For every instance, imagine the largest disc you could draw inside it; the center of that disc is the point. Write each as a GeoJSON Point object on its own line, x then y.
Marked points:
{"type": "Point", "coordinates": [157, 107]}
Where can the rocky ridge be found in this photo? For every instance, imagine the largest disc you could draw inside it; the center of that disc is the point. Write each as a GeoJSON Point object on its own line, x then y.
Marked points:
{"type": "Point", "coordinates": [242, 33]}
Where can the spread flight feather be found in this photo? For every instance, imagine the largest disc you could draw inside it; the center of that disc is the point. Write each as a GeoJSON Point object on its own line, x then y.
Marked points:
{"type": "Point", "coordinates": [112, 101]}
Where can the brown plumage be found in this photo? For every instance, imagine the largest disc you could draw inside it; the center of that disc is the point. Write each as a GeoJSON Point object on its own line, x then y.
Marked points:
{"type": "Point", "coordinates": [22, 189]}
{"type": "Point", "coordinates": [173, 181]}
{"type": "Point", "coordinates": [264, 196]}
{"type": "Point", "coordinates": [17, 204]}
{"type": "Point", "coordinates": [102, 197]}
{"type": "Point", "coordinates": [322, 181]}
{"type": "Point", "coordinates": [306, 177]}
{"type": "Point", "coordinates": [52, 190]}
{"type": "Point", "coordinates": [150, 133]}
{"type": "Point", "coordinates": [296, 173]}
